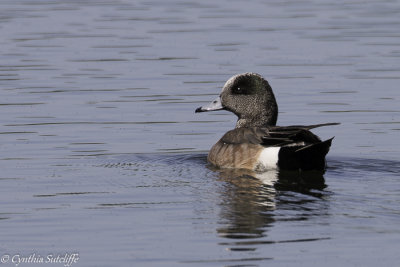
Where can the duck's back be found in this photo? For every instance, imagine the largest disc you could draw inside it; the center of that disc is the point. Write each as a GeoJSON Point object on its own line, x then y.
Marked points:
{"type": "Point", "coordinates": [262, 148]}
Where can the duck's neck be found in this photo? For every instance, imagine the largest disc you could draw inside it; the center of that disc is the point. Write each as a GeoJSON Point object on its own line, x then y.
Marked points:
{"type": "Point", "coordinates": [267, 118]}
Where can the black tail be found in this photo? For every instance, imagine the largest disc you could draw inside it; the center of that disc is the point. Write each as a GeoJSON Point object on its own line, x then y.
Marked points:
{"type": "Point", "coordinates": [311, 157]}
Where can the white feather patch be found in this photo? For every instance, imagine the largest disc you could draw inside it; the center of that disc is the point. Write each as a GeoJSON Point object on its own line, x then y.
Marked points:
{"type": "Point", "coordinates": [268, 158]}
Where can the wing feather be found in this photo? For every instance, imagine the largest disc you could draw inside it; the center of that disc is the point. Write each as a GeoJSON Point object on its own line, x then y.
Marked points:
{"type": "Point", "coordinates": [274, 135]}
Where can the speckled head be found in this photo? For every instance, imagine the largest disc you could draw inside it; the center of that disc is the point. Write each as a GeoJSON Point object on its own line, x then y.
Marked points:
{"type": "Point", "coordinates": [249, 96]}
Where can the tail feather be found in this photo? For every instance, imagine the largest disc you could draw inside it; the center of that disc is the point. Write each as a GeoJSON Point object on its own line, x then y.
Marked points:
{"type": "Point", "coordinates": [311, 157]}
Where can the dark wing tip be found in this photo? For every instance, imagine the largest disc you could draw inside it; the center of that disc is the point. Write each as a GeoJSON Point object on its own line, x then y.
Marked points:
{"type": "Point", "coordinates": [321, 125]}
{"type": "Point", "coordinates": [322, 146]}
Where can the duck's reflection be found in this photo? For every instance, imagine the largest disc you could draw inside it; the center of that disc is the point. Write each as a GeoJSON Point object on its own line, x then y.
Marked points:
{"type": "Point", "coordinates": [249, 199]}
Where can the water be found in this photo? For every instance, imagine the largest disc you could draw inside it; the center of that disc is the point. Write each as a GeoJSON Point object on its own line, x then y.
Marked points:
{"type": "Point", "coordinates": [101, 153]}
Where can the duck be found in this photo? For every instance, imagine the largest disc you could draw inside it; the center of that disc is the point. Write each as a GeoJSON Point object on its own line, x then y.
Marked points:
{"type": "Point", "coordinates": [257, 143]}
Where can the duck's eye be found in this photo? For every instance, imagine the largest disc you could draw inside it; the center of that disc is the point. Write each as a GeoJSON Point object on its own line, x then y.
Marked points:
{"type": "Point", "coordinates": [237, 90]}
{"type": "Point", "coordinates": [240, 89]}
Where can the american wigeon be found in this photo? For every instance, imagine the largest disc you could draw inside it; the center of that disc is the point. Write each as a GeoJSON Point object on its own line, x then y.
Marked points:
{"type": "Point", "coordinates": [257, 143]}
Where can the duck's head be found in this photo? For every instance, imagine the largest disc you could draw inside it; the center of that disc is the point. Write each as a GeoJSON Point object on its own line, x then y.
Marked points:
{"type": "Point", "coordinates": [250, 97]}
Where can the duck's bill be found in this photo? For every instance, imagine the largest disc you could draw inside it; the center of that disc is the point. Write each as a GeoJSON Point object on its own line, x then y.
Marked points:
{"type": "Point", "coordinates": [214, 105]}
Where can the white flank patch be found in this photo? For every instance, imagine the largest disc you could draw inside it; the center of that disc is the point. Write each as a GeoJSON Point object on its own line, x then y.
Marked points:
{"type": "Point", "coordinates": [269, 158]}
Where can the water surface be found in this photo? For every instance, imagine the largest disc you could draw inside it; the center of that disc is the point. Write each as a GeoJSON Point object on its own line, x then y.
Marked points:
{"type": "Point", "coordinates": [101, 153]}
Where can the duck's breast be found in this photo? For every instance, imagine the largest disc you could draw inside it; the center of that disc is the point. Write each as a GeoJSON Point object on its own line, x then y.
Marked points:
{"type": "Point", "coordinates": [244, 155]}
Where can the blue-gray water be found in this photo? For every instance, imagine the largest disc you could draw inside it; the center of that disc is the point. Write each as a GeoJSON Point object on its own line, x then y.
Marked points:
{"type": "Point", "coordinates": [101, 153]}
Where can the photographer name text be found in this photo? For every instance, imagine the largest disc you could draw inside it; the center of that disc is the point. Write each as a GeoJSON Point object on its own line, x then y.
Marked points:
{"type": "Point", "coordinates": [65, 259]}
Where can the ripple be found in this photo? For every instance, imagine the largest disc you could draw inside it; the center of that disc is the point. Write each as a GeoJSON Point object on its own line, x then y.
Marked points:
{"type": "Point", "coordinates": [227, 260]}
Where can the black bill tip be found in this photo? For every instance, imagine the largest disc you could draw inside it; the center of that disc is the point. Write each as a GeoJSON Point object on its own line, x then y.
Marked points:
{"type": "Point", "coordinates": [199, 109]}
